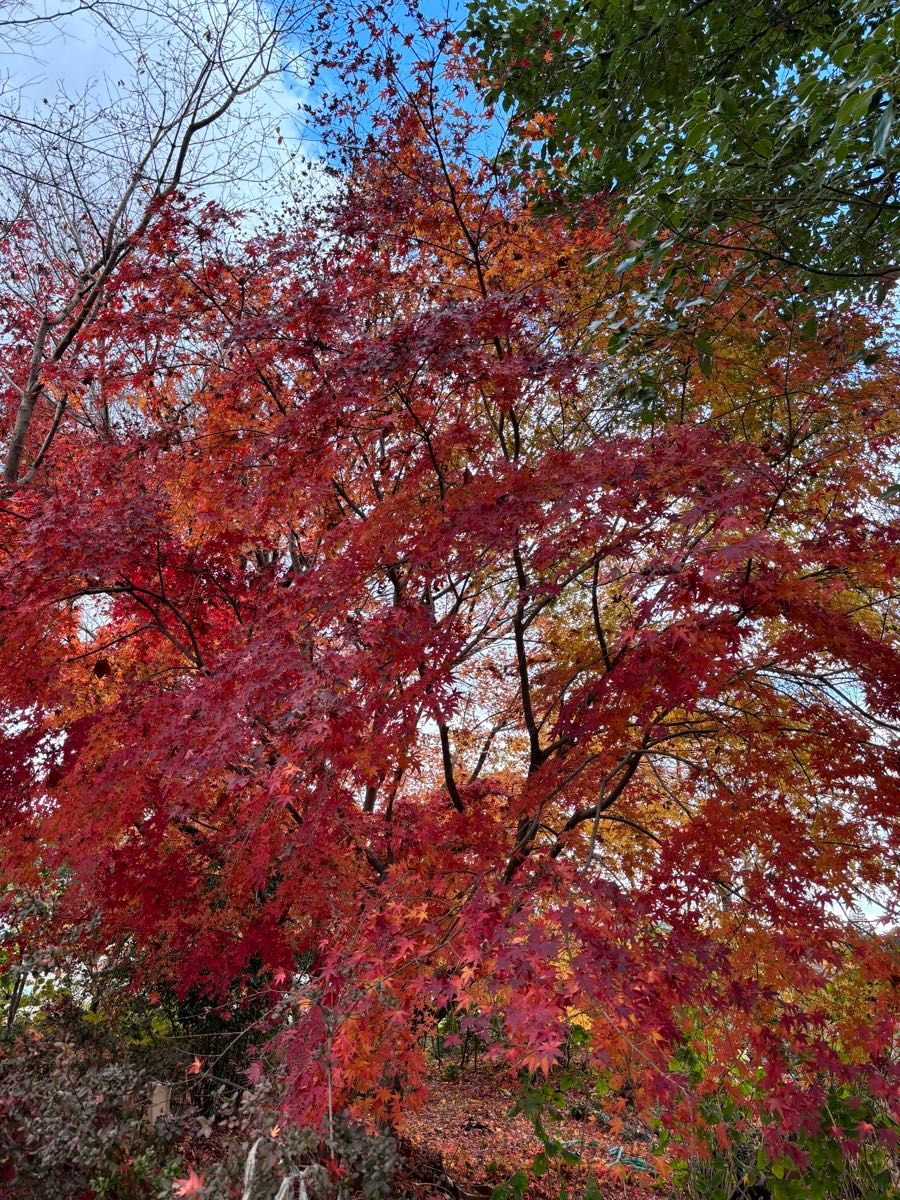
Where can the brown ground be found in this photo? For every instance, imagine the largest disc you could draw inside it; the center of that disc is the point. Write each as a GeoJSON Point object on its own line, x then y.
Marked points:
{"type": "Point", "coordinates": [463, 1133]}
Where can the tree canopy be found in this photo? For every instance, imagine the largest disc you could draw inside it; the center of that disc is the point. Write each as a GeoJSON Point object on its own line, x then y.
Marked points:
{"type": "Point", "coordinates": [767, 127]}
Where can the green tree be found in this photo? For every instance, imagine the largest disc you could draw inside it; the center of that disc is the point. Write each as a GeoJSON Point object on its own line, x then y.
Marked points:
{"type": "Point", "coordinates": [766, 125]}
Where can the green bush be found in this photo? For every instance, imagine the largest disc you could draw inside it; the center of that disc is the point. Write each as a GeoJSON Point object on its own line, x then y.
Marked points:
{"type": "Point", "coordinates": [73, 1119]}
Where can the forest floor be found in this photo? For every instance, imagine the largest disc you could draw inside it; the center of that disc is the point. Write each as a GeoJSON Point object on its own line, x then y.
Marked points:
{"type": "Point", "coordinates": [464, 1132]}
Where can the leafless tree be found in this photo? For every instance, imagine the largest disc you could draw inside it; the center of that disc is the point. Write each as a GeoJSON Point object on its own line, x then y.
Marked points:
{"type": "Point", "coordinates": [81, 175]}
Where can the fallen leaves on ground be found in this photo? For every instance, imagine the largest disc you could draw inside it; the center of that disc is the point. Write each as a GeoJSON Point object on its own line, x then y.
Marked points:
{"type": "Point", "coordinates": [465, 1122]}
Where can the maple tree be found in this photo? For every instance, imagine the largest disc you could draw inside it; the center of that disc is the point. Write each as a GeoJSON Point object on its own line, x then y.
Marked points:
{"type": "Point", "coordinates": [81, 174]}
{"type": "Point", "coordinates": [373, 638]}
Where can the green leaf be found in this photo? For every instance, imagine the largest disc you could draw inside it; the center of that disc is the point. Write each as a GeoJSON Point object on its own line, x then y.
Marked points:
{"type": "Point", "coordinates": [518, 1183]}
{"type": "Point", "coordinates": [704, 354]}
{"type": "Point", "coordinates": [882, 130]}
{"type": "Point", "coordinates": [853, 107]}
{"type": "Point", "coordinates": [780, 1167]}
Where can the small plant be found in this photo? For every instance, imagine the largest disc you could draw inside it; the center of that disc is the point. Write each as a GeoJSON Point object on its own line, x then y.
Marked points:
{"type": "Point", "coordinates": [849, 1161]}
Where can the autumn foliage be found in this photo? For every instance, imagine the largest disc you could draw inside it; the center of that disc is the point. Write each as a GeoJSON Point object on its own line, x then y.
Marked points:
{"type": "Point", "coordinates": [372, 636]}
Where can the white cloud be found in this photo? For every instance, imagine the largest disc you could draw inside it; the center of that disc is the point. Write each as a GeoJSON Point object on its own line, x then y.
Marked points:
{"type": "Point", "coordinates": [113, 71]}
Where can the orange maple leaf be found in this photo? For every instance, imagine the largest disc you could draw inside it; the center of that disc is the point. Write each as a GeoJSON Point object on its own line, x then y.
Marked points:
{"type": "Point", "coordinates": [191, 1185]}
{"type": "Point", "coordinates": [194, 1068]}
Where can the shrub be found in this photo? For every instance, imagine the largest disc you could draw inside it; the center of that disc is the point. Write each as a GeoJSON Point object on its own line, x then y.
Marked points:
{"type": "Point", "coordinates": [73, 1119]}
